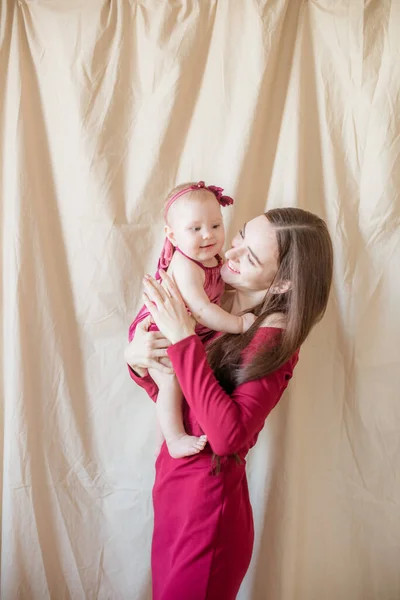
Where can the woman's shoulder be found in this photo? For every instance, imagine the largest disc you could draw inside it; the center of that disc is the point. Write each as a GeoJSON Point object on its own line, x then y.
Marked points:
{"type": "Point", "coordinates": [265, 335]}
{"type": "Point", "coordinates": [274, 321]}
{"type": "Point", "coordinates": [268, 335]}
{"type": "Point", "coordinates": [270, 329]}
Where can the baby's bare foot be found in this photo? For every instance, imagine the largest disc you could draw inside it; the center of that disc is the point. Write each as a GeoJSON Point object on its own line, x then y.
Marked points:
{"type": "Point", "coordinates": [186, 445]}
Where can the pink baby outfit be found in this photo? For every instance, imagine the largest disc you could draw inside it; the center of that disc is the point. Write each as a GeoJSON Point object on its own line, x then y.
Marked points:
{"type": "Point", "coordinates": [213, 284]}
{"type": "Point", "coordinates": [213, 287]}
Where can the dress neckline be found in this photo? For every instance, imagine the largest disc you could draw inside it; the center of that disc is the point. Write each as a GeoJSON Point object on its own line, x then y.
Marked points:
{"type": "Point", "coordinates": [200, 264]}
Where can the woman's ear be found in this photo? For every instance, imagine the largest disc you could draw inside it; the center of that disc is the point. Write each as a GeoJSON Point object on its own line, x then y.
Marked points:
{"type": "Point", "coordinates": [281, 287]}
{"type": "Point", "coordinates": [170, 234]}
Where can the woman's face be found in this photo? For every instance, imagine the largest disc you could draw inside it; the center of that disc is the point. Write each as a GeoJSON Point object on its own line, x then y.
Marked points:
{"type": "Point", "coordinates": [252, 262]}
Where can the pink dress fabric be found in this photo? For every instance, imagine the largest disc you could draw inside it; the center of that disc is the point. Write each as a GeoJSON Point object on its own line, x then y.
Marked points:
{"type": "Point", "coordinates": [203, 524]}
{"type": "Point", "coordinates": [213, 287]}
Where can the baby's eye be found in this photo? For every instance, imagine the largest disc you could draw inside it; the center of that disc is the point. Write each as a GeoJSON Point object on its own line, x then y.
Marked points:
{"type": "Point", "coordinates": [251, 261]}
{"type": "Point", "coordinates": [216, 226]}
{"type": "Point", "coordinates": [196, 228]}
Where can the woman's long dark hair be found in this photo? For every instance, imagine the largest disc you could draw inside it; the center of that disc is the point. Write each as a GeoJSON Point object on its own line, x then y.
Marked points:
{"type": "Point", "coordinates": [305, 261]}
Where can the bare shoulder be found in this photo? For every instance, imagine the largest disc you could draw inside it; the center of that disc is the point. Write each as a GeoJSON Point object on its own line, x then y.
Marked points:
{"type": "Point", "coordinates": [182, 269]}
{"type": "Point", "coordinates": [277, 320]}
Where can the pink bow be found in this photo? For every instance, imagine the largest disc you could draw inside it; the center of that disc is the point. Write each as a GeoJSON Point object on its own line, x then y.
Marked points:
{"type": "Point", "coordinates": [217, 191]}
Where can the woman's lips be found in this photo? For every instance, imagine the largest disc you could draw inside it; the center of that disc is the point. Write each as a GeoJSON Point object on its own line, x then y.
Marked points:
{"type": "Point", "coordinates": [232, 268]}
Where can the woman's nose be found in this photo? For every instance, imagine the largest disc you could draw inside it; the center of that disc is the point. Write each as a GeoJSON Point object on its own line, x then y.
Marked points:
{"type": "Point", "coordinates": [233, 253]}
{"type": "Point", "coordinates": [236, 248]}
{"type": "Point", "coordinates": [237, 241]}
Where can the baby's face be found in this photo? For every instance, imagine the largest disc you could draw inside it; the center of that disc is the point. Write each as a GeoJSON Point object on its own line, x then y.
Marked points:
{"type": "Point", "coordinates": [196, 225]}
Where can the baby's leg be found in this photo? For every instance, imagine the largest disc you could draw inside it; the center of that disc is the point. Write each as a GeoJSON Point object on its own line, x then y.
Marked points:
{"type": "Point", "coordinates": [169, 412]}
{"type": "Point", "coordinates": [159, 438]}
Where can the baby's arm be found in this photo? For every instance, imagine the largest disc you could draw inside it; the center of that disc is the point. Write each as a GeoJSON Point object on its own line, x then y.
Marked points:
{"type": "Point", "coordinates": [190, 281]}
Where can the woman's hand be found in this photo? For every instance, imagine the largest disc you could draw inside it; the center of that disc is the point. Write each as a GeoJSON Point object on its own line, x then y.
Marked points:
{"type": "Point", "coordinates": [167, 308]}
{"type": "Point", "coordinates": [148, 349]}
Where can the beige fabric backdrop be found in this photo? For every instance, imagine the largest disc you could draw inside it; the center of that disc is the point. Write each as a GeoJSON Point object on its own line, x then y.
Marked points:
{"type": "Point", "coordinates": [105, 105]}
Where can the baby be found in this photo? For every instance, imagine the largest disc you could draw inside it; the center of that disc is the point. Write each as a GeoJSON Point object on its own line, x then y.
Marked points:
{"type": "Point", "coordinates": [191, 254]}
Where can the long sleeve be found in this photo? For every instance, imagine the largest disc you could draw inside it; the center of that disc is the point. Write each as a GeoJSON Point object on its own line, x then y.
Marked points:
{"type": "Point", "coordinates": [229, 421]}
{"type": "Point", "coordinates": [146, 383]}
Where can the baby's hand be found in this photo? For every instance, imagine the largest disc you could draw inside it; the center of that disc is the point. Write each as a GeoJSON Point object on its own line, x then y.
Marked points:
{"type": "Point", "coordinates": [247, 320]}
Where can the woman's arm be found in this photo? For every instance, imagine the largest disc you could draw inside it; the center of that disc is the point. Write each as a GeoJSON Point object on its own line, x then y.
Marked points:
{"type": "Point", "coordinates": [229, 421]}
{"type": "Point", "coordinates": [145, 349]}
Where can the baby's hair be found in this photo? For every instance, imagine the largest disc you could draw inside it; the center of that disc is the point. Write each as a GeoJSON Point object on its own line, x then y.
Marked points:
{"type": "Point", "coordinates": [178, 189]}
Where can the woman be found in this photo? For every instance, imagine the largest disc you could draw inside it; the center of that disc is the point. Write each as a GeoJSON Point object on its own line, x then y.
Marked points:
{"type": "Point", "coordinates": [280, 269]}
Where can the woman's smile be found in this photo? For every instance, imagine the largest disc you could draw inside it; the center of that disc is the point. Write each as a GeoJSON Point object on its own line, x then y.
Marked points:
{"type": "Point", "coordinates": [232, 268]}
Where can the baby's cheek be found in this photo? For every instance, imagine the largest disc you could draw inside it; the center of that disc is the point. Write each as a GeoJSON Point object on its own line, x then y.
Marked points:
{"type": "Point", "coordinates": [221, 236]}
{"type": "Point", "coordinates": [220, 245]}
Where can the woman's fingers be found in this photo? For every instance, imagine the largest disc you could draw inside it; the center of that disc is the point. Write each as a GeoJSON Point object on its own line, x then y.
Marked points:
{"type": "Point", "coordinates": [166, 363]}
{"type": "Point", "coordinates": [154, 290]}
{"type": "Point", "coordinates": [155, 364]}
{"type": "Point", "coordinates": [150, 304]}
{"type": "Point", "coordinates": [158, 353]}
{"type": "Point", "coordinates": [151, 294]}
{"type": "Point", "coordinates": [169, 285]}
{"type": "Point", "coordinates": [160, 343]}
{"type": "Point", "coordinates": [145, 324]}
{"type": "Point", "coordinates": [158, 340]}
{"type": "Point", "coordinates": [157, 335]}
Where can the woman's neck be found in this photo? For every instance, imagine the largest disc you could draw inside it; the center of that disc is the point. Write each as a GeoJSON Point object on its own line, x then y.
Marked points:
{"type": "Point", "coordinates": [243, 300]}
{"type": "Point", "coordinates": [235, 301]}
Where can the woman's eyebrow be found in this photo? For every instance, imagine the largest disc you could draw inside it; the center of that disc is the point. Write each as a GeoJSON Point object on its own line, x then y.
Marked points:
{"type": "Point", "coordinates": [249, 249]}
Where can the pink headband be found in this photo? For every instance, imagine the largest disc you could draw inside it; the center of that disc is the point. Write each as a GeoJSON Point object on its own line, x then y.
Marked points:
{"type": "Point", "coordinates": [217, 191]}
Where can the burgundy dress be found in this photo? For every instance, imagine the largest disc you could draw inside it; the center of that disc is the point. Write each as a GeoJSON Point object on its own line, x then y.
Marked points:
{"type": "Point", "coordinates": [203, 523]}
